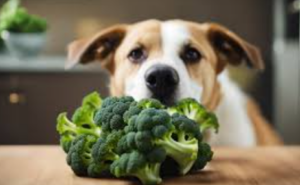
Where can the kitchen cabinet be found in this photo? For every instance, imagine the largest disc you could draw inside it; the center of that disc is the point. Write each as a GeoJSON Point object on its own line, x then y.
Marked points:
{"type": "Point", "coordinates": [30, 102]}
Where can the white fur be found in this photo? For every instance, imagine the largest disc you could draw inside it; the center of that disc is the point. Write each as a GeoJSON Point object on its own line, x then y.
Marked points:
{"type": "Point", "coordinates": [236, 128]}
{"type": "Point", "coordinates": [174, 36]}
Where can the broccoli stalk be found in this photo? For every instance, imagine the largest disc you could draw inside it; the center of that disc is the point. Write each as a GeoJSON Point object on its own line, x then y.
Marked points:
{"type": "Point", "coordinates": [66, 127]}
{"type": "Point", "coordinates": [135, 164]}
{"type": "Point", "coordinates": [184, 154]}
{"type": "Point", "coordinates": [149, 174]}
{"type": "Point", "coordinates": [82, 121]}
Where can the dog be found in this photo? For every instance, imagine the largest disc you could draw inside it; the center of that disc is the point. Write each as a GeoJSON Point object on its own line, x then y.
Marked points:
{"type": "Point", "coordinates": [175, 59]}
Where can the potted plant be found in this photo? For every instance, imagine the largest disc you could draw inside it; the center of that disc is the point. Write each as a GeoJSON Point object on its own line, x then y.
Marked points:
{"type": "Point", "coordinates": [24, 34]}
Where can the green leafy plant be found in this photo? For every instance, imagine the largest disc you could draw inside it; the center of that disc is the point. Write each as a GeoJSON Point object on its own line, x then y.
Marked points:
{"type": "Point", "coordinates": [127, 138]}
{"type": "Point", "coordinates": [15, 18]}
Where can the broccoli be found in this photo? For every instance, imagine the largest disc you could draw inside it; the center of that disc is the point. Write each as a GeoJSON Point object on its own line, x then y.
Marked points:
{"type": "Point", "coordinates": [82, 121]}
{"type": "Point", "coordinates": [136, 107]}
{"type": "Point", "coordinates": [150, 103]}
{"type": "Point", "coordinates": [15, 18]}
{"type": "Point", "coordinates": [204, 156]}
{"type": "Point", "coordinates": [195, 111]}
{"type": "Point", "coordinates": [103, 153]}
{"type": "Point", "coordinates": [178, 135]}
{"type": "Point", "coordinates": [110, 116]}
{"type": "Point", "coordinates": [180, 141]}
{"type": "Point", "coordinates": [125, 138]}
{"type": "Point", "coordinates": [84, 115]}
{"type": "Point", "coordinates": [69, 130]}
{"type": "Point", "coordinates": [79, 156]}
{"type": "Point", "coordinates": [104, 150]}
{"type": "Point", "coordinates": [136, 164]}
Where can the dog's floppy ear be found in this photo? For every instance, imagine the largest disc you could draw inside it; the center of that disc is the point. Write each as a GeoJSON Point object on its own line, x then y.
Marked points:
{"type": "Point", "coordinates": [100, 47]}
{"type": "Point", "coordinates": [232, 49]}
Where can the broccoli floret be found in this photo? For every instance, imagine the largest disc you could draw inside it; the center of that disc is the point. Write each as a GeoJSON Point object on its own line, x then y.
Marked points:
{"type": "Point", "coordinates": [204, 156]}
{"type": "Point", "coordinates": [177, 135]}
{"type": "Point", "coordinates": [104, 150]}
{"type": "Point", "coordinates": [79, 156]}
{"type": "Point", "coordinates": [84, 115]}
{"type": "Point", "coordinates": [110, 116]}
{"type": "Point", "coordinates": [135, 164]}
{"type": "Point", "coordinates": [136, 107]}
{"type": "Point", "coordinates": [195, 111]}
{"type": "Point", "coordinates": [140, 129]}
{"type": "Point", "coordinates": [66, 141]}
{"type": "Point", "coordinates": [180, 141]}
{"type": "Point", "coordinates": [126, 143]}
{"type": "Point", "coordinates": [69, 130]}
{"type": "Point", "coordinates": [65, 126]}
{"type": "Point", "coordinates": [150, 103]}
{"type": "Point", "coordinates": [186, 129]}
{"type": "Point", "coordinates": [82, 121]}
{"type": "Point", "coordinates": [132, 111]}
{"type": "Point", "coordinates": [103, 153]}
{"type": "Point", "coordinates": [141, 141]}
{"type": "Point", "coordinates": [93, 100]}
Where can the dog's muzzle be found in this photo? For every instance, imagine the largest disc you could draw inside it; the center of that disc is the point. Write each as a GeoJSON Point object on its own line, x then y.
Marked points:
{"type": "Point", "coordinates": [162, 81]}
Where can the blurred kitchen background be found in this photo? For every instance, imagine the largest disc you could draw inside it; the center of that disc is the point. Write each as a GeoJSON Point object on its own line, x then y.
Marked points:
{"type": "Point", "coordinates": [33, 90]}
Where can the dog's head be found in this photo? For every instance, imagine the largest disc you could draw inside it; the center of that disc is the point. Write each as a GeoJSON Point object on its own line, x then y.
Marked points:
{"type": "Point", "coordinates": [167, 60]}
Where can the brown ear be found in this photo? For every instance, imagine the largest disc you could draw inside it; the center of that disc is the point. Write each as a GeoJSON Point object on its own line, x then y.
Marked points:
{"type": "Point", "coordinates": [98, 47]}
{"type": "Point", "coordinates": [232, 49]}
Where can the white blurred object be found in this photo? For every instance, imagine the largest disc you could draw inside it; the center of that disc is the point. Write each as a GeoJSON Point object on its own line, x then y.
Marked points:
{"type": "Point", "coordinates": [24, 45]}
{"type": "Point", "coordinates": [294, 7]}
{"type": "Point", "coordinates": [286, 56]}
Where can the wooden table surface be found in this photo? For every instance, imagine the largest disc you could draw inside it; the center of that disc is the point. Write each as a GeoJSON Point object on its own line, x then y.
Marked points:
{"type": "Point", "coordinates": [46, 165]}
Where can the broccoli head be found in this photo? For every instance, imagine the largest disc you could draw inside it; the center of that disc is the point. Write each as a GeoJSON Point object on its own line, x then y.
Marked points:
{"type": "Point", "coordinates": [136, 107]}
{"type": "Point", "coordinates": [150, 103]}
{"type": "Point", "coordinates": [79, 156]}
{"type": "Point", "coordinates": [84, 115]}
{"type": "Point", "coordinates": [136, 164]}
{"type": "Point", "coordinates": [104, 150]}
{"type": "Point", "coordinates": [204, 156]}
{"type": "Point", "coordinates": [141, 129]}
{"type": "Point", "coordinates": [69, 130]}
{"type": "Point", "coordinates": [82, 121]}
{"type": "Point", "coordinates": [180, 141]}
{"type": "Point", "coordinates": [195, 111]}
{"type": "Point", "coordinates": [110, 116]}
{"type": "Point", "coordinates": [177, 135]}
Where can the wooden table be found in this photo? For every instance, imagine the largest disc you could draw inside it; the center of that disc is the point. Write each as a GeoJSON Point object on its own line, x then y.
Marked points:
{"type": "Point", "coordinates": [45, 165]}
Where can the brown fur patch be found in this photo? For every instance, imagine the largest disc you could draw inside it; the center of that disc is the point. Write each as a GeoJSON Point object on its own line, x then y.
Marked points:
{"type": "Point", "coordinates": [265, 135]}
{"type": "Point", "coordinates": [204, 72]}
{"type": "Point", "coordinates": [145, 34]}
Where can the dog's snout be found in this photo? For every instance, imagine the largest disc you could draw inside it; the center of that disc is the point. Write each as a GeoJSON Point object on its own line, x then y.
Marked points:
{"type": "Point", "coordinates": [161, 80]}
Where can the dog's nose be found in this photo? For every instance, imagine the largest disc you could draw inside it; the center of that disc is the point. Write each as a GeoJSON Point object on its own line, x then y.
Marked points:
{"type": "Point", "coordinates": [161, 80]}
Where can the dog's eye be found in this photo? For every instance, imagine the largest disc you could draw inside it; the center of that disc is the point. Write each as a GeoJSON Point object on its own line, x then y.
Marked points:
{"type": "Point", "coordinates": [137, 55]}
{"type": "Point", "coordinates": [190, 55]}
